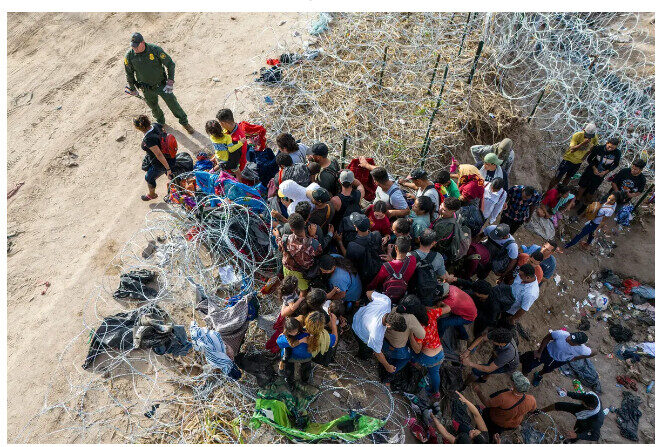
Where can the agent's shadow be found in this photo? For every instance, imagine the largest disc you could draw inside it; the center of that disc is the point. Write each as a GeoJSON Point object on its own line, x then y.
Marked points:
{"type": "Point", "coordinates": [193, 143]}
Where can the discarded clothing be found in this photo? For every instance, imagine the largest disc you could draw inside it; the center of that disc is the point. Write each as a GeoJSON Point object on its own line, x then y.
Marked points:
{"type": "Point", "coordinates": [272, 75]}
{"type": "Point", "coordinates": [231, 322]}
{"type": "Point", "coordinates": [646, 292]}
{"type": "Point", "coordinates": [146, 327]}
{"type": "Point", "coordinates": [210, 343]}
{"type": "Point", "coordinates": [450, 378]}
{"type": "Point", "coordinates": [584, 370]}
{"type": "Point", "coordinates": [541, 226]}
{"type": "Point", "coordinates": [623, 216]}
{"type": "Point", "coordinates": [628, 415]}
{"type": "Point", "coordinates": [584, 324]}
{"type": "Point", "coordinates": [620, 333]}
{"type": "Point", "coordinates": [407, 380]}
{"type": "Point", "coordinates": [608, 276]}
{"type": "Point", "coordinates": [132, 285]}
{"type": "Point", "coordinates": [258, 365]}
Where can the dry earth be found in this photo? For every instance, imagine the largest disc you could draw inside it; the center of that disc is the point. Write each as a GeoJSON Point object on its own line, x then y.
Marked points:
{"type": "Point", "coordinates": [80, 201]}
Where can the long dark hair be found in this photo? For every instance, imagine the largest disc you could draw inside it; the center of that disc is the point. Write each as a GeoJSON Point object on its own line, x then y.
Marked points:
{"type": "Point", "coordinates": [345, 264]}
{"type": "Point", "coordinates": [412, 305]}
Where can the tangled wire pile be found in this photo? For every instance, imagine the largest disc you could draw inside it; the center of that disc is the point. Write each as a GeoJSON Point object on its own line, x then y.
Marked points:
{"type": "Point", "coordinates": [421, 87]}
{"type": "Point", "coordinates": [136, 395]}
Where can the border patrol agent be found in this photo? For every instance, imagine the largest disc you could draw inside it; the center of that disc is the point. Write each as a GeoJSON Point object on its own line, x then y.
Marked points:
{"type": "Point", "coordinates": [144, 64]}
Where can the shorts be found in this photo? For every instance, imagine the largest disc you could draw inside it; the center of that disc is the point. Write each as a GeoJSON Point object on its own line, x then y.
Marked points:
{"type": "Point", "coordinates": [233, 162]}
{"type": "Point", "coordinates": [302, 282]}
{"type": "Point", "coordinates": [568, 168]}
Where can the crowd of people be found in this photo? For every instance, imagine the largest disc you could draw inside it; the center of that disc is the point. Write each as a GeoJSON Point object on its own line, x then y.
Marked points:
{"type": "Point", "coordinates": [402, 264]}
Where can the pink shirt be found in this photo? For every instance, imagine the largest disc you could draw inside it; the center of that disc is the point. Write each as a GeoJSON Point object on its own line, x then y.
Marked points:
{"type": "Point", "coordinates": [461, 304]}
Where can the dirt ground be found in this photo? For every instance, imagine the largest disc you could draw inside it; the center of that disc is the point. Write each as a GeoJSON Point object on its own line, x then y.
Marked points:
{"type": "Point", "coordinates": [80, 201]}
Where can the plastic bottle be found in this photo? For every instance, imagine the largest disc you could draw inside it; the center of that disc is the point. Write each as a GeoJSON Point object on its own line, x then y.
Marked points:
{"type": "Point", "coordinates": [577, 386]}
{"type": "Point", "coordinates": [561, 392]}
{"type": "Point", "coordinates": [648, 388]}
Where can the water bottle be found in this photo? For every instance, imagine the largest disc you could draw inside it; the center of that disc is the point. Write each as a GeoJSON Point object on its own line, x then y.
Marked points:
{"type": "Point", "coordinates": [648, 388]}
{"type": "Point", "coordinates": [561, 392]}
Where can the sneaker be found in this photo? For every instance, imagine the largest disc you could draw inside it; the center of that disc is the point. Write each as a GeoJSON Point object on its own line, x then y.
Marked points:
{"type": "Point", "coordinates": [188, 128]}
{"type": "Point", "coordinates": [537, 379]}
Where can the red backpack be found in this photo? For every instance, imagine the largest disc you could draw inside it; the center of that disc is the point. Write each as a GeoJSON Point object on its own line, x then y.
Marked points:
{"type": "Point", "coordinates": [395, 286]}
{"type": "Point", "coordinates": [441, 197]}
{"type": "Point", "coordinates": [168, 145]}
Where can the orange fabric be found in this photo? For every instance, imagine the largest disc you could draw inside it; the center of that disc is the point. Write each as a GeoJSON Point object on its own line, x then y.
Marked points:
{"type": "Point", "coordinates": [510, 418]}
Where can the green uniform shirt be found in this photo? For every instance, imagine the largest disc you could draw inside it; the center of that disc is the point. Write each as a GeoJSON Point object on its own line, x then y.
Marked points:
{"type": "Point", "coordinates": [147, 67]}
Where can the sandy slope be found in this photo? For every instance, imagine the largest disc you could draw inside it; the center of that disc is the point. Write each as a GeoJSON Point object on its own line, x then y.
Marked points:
{"type": "Point", "coordinates": [65, 94]}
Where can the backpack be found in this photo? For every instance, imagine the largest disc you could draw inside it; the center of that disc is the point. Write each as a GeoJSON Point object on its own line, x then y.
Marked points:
{"type": "Point", "coordinates": [473, 217]}
{"type": "Point", "coordinates": [498, 254]}
{"type": "Point", "coordinates": [395, 286]}
{"type": "Point", "coordinates": [455, 245]}
{"type": "Point", "coordinates": [503, 294]}
{"type": "Point", "coordinates": [370, 264]}
{"type": "Point", "coordinates": [168, 144]}
{"type": "Point", "coordinates": [592, 210]}
{"type": "Point", "coordinates": [183, 163]}
{"type": "Point", "coordinates": [424, 283]}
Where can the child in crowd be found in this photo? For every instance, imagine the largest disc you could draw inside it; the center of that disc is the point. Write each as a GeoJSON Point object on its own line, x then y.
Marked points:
{"type": "Point", "coordinates": [421, 213]}
{"type": "Point", "coordinates": [377, 214]}
{"type": "Point", "coordinates": [445, 185]}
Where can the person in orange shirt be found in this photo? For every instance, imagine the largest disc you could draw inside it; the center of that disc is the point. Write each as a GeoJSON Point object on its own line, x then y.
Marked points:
{"type": "Point", "coordinates": [534, 259]}
{"type": "Point", "coordinates": [506, 409]}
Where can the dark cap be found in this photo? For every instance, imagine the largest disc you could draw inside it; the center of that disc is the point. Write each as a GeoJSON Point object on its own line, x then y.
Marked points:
{"type": "Point", "coordinates": [419, 173]}
{"type": "Point", "coordinates": [501, 231]}
{"type": "Point", "coordinates": [360, 221]}
{"type": "Point", "coordinates": [319, 149]}
{"type": "Point", "coordinates": [321, 195]}
{"type": "Point", "coordinates": [579, 338]}
{"type": "Point", "coordinates": [136, 39]}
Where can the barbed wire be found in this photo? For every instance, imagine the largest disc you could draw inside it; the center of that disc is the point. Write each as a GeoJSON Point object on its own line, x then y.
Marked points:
{"type": "Point", "coordinates": [405, 89]}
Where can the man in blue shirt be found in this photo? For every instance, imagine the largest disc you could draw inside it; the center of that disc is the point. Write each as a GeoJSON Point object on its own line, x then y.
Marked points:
{"type": "Point", "coordinates": [549, 263]}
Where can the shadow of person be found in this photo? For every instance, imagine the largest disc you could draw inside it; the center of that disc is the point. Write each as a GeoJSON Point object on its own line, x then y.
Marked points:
{"type": "Point", "coordinates": [193, 143]}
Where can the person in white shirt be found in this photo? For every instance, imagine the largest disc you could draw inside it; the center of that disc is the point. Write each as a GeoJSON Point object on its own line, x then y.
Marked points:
{"type": "Point", "coordinates": [525, 291]}
{"type": "Point", "coordinates": [557, 348]}
{"type": "Point", "coordinates": [387, 190]}
{"type": "Point", "coordinates": [493, 200]}
{"type": "Point", "coordinates": [605, 210]}
{"type": "Point", "coordinates": [370, 323]}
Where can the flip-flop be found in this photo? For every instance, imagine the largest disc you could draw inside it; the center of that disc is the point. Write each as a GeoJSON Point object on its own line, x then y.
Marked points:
{"type": "Point", "coordinates": [146, 197]}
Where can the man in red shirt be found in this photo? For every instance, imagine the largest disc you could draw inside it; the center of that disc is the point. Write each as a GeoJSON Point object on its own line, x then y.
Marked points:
{"type": "Point", "coordinates": [403, 247]}
{"type": "Point", "coordinates": [549, 204]}
{"type": "Point", "coordinates": [462, 312]}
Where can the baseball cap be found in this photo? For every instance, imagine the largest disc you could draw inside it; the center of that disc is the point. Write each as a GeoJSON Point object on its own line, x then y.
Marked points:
{"type": "Point", "coordinates": [493, 159]}
{"type": "Point", "coordinates": [346, 176]}
{"type": "Point", "coordinates": [590, 130]}
{"type": "Point", "coordinates": [521, 383]}
{"type": "Point", "coordinates": [419, 173]}
{"type": "Point", "coordinates": [136, 39]}
{"type": "Point", "coordinates": [579, 338]}
{"type": "Point", "coordinates": [320, 195]}
{"type": "Point", "coordinates": [501, 231]}
{"type": "Point", "coordinates": [359, 221]}
{"type": "Point", "coordinates": [319, 149]}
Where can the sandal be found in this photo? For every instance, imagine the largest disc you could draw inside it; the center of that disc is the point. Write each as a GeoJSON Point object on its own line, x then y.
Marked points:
{"type": "Point", "coordinates": [147, 197]}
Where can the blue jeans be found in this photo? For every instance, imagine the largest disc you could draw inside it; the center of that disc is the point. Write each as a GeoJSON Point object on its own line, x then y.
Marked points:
{"type": "Point", "coordinates": [587, 230]}
{"type": "Point", "coordinates": [398, 357]}
{"type": "Point", "coordinates": [453, 320]}
{"type": "Point", "coordinates": [432, 364]}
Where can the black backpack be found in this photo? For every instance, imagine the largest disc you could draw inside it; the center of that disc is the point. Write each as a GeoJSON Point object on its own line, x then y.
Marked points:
{"type": "Point", "coordinates": [371, 262]}
{"type": "Point", "coordinates": [473, 218]}
{"type": "Point", "coordinates": [502, 294]}
{"type": "Point", "coordinates": [498, 254]}
{"type": "Point", "coordinates": [424, 283]}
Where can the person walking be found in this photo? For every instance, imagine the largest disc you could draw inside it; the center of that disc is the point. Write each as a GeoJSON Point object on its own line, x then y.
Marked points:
{"type": "Point", "coordinates": [144, 64]}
